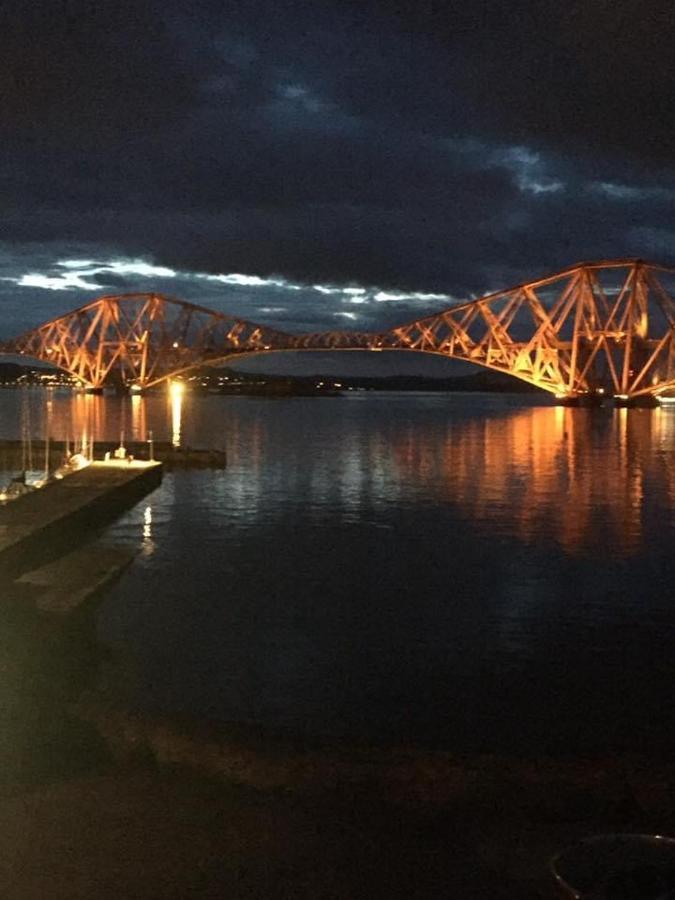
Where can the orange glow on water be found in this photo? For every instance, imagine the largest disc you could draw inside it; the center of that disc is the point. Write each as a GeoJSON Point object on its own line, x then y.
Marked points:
{"type": "Point", "coordinates": [515, 467]}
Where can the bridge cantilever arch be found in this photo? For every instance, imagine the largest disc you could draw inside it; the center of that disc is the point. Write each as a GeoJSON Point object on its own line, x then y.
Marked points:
{"type": "Point", "coordinates": [594, 330]}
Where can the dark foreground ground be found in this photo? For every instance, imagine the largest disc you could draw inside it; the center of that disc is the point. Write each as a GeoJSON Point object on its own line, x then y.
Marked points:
{"type": "Point", "coordinates": [96, 802]}
{"type": "Point", "coordinates": [143, 833]}
{"type": "Point", "coordinates": [149, 836]}
{"type": "Point", "coordinates": [155, 837]}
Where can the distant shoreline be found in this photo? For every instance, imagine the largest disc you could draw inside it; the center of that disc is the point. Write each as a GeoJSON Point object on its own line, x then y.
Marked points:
{"type": "Point", "coordinates": [229, 381]}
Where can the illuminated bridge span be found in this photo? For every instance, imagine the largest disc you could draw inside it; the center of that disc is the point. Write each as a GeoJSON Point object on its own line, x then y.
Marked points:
{"type": "Point", "coordinates": [595, 329]}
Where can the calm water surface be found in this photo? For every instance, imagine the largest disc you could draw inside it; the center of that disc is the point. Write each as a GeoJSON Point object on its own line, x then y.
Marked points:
{"type": "Point", "coordinates": [461, 571]}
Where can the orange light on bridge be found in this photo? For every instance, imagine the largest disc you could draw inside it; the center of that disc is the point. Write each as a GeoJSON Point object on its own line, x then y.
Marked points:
{"type": "Point", "coordinates": [570, 333]}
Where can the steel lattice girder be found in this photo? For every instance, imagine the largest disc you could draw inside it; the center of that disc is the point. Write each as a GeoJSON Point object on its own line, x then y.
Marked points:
{"type": "Point", "coordinates": [604, 326]}
{"type": "Point", "coordinates": [141, 339]}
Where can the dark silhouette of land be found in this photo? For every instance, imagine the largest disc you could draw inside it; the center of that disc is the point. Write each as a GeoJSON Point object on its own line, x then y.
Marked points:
{"type": "Point", "coordinates": [230, 381]}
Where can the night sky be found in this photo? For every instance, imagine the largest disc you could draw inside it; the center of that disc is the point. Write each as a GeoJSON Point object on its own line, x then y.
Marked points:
{"type": "Point", "coordinates": [327, 165]}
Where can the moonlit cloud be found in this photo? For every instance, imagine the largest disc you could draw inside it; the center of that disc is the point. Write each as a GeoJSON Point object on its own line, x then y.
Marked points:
{"type": "Point", "coordinates": [326, 290]}
{"type": "Point", "coordinates": [65, 282]}
{"type": "Point", "coordinates": [77, 271]}
{"type": "Point", "coordinates": [76, 263]}
{"type": "Point", "coordinates": [539, 187]}
{"type": "Point", "coordinates": [246, 280]}
{"type": "Point", "coordinates": [299, 94]}
{"type": "Point", "coordinates": [118, 267]}
{"type": "Point", "coordinates": [256, 297]}
{"type": "Point", "coordinates": [279, 302]}
{"type": "Point", "coordinates": [138, 267]}
{"type": "Point", "coordinates": [385, 296]}
{"type": "Point", "coordinates": [528, 170]}
{"type": "Point", "coordinates": [627, 192]}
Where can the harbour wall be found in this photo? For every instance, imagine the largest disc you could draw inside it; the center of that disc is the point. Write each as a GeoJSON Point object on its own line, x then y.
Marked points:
{"type": "Point", "coordinates": [48, 523]}
{"type": "Point", "coordinates": [13, 454]}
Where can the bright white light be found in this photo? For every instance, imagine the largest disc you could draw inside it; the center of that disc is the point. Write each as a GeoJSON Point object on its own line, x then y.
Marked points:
{"type": "Point", "coordinates": [353, 291]}
{"type": "Point", "coordinates": [347, 315]}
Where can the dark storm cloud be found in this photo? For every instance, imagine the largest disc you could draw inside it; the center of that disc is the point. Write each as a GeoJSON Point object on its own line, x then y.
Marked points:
{"type": "Point", "coordinates": [89, 71]}
{"type": "Point", "coordinates": [438, 147]}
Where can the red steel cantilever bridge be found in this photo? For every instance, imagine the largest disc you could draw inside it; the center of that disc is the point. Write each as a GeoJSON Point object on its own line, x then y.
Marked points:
{"type": "Point", "coordinates": [604, 328]}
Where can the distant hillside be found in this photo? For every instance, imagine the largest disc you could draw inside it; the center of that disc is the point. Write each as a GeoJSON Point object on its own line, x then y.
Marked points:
{"type": "Point", "coordinates": [482, 380]}
{"type": "Point", "coordinates": [230, 381]}
{"type": "Point", "coordinates": [13, 373]}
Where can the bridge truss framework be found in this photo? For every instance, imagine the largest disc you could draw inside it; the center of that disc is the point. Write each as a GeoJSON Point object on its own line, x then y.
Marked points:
{"type": "Point", "coordinates": [595, 329]}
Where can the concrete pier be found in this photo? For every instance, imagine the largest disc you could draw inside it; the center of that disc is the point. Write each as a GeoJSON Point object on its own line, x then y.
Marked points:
{"type": "Point", "coordinates": [12, 454]}
{"type": "Point", "coordinates": [53, 521]}
{"type": "Point", "coordinates": [68, 584]}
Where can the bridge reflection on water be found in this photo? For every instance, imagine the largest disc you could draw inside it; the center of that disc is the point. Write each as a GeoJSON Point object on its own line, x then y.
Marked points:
{"type": "Point", "coordinates": [537, 473]}
{"type": "Point", "coordinates": [553, 473]}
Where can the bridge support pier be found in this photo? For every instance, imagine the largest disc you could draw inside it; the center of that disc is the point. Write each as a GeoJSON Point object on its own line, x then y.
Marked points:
{"type": "Point", "coordinates": [93, 390]}
{"type": "Point", "coordinates": [129, 390]}
{"type": "Point", "coordinates": [593, 401]}
{"type": "Point", "coordinates": [644, 401]}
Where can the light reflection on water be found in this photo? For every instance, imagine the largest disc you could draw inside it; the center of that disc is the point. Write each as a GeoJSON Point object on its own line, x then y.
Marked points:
{"type": "Point", "coordinates": [462, 570]}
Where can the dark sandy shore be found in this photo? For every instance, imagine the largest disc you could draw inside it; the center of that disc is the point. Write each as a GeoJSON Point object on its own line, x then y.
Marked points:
{"type": "Point", "coordinates": [143, 835]}
{"type": "Point", "coordinates": [150, 827]}
{"type": "Point", "coordinates": [149, 836]}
